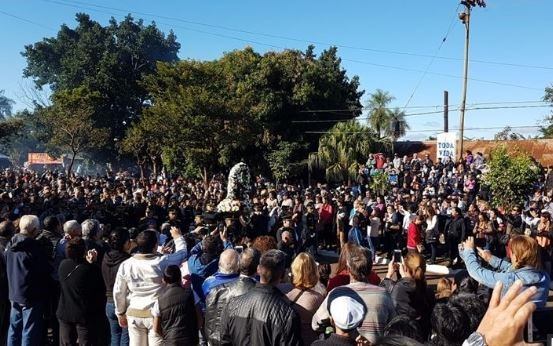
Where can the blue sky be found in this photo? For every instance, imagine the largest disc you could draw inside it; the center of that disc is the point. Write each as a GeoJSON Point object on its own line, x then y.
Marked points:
{"type": "Point", "coordinates": [507, 31]}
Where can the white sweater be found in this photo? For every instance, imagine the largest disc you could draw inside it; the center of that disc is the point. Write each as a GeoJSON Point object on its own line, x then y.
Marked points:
{"type": "Point", "coordinates": [138, 280]}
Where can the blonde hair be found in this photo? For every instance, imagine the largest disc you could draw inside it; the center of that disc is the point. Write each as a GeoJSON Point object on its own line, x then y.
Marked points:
{"type": "Point", "coordinates": [443, 289]}
{"type": "Point", "coordinates": [416, 266]}
{"type": "Point", "coordinates": [525, 249]}
{"type": "Point", "coordinates": [305, 274]}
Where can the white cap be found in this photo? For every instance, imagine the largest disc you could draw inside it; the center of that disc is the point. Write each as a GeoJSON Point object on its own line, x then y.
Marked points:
{"type": "Point", "coordinates": [347, 313]}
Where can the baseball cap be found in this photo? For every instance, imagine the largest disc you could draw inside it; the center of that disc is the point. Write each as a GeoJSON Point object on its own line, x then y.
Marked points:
{"type": "Point", "coordinates": [346, 312]}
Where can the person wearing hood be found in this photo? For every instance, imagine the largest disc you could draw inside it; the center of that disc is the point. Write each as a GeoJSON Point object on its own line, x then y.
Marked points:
{"type": "Point", "coordinates": [119, 242]}
{"type": "Point", "coordinates": [410, 293]}
{"type": "Point", "coordinates": [524, 266]}
{"type": "Point", "coordinates": [29, 272]}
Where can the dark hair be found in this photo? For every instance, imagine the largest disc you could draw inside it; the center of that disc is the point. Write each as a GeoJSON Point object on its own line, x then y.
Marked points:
{"type": "Point", "coordinates": [450, 324]}
{"type": "Point", "coordinates": [51, 223]}
{"type": "Point", "coordinates": [272, 266]}
{"type": "Point", "coordinates": [117, 238]}
{"type": "Point", "coordinates": [212, 245]}
{"type": "Point", "coordinates": [249, 260]}
{"type": "Point", "coordinates": [396, 341]}
{"type": "Point", "coordinates": [7, 229]}
{"type": "Point", "coordinates": [146, 241]}
{"type": "Point", "coordinates": [465, 283]}
{"type": "Point", "coordinates": [75, 249]}
{"type": "Point", "coordinates": [473, 306]}
{"type": "Point", "coordinates": [359, 263]}
{"type": "Point", "coordinates": [133, 232]}
{"type": "Point", "coordinates": [403, 325]}
{"type": "Point", "coordinates": [172, 274]}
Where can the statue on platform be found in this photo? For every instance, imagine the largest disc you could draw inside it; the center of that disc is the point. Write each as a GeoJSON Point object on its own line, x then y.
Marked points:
{"type": "Point", "coordinates": [238, 190]}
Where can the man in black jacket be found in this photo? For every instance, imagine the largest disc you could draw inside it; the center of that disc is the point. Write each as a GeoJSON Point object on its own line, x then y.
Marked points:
{"type": "Point", "coordinates": [219, 296]}
{"type": "Point", "coordinates": [175, 313]}
{"type": "Point", "coordinates": [28, 275]}
{"type": "Point", "coordinates": [263, 316]}
{"type": "Point", "coordinates": [455, 231]}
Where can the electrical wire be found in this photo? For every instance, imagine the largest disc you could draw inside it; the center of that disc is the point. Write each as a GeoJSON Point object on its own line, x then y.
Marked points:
{"type": "Point", "coordinates": [295, 39]}
{"type": "Point", "coordinates": [71, 4]}
{"type": "Point", "coordinates": [441, 130]}
{"type": "Point", "coordinates": [26, 20]}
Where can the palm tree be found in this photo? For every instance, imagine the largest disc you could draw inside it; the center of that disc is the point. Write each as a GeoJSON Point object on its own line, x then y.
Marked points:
{"type": "Point", "coordinates": [379, 114]}
{"type": "Point", "coordinates": [342, 148]}
{"type": "Point", "coordinates": [397, 116]}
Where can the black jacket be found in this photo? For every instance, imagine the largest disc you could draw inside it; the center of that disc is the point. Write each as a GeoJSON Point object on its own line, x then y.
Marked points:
{"type": "Point", "coordinates": [335, 340]}
{"type": "Point", "coordinates": [110, 264]}
{"type": "Point", "coordinates": [178, 316]}
{"type": "Point", "coordinates": [456, 228]}
{"type": "Point", "coordinates": [82, 296]}
{"type": "Point", "coordinates": [28, 271]}
{"type": "Point", "coordinates": [217, 300]}
{"type": "Point", "coordinates": [263, 316]}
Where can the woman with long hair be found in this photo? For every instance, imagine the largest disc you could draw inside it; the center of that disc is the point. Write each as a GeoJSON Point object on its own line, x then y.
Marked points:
{"type": "Point", "coordinates": [431, 232]}
{"type": "Point", "coordinates": [306, 294]}
{"type": "Point", "coordinates": [410, 293]}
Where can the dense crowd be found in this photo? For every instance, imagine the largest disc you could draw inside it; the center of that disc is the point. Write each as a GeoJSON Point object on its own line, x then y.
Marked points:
{"type": "Point", "coordinates": [120, 260]}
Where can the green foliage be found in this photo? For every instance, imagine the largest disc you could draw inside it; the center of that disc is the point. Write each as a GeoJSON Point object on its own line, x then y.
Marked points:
{"type": "Point", "coordinates": [18, 136]}
{"type": "Point", "coordinates": [379, 183]}
{"type": "Point", "coordinates": [111, 60]}
{"type": "Point", "coordinates": [10, 128]}
{"type": "Point", "coordinates": [379, 114]}
{"type": "Point", "coordinates": [342, 148]}
{"type": "Point", "coordinates": [68, 127]}
{"type": "Point", "coordinates": [507, 134]}
{"type": "Point", "coordinates": [285, 161]}
{"type": "Point", "coordinates": [396, 115]}
{"type": "Point", "coordinates": [547, 131]}
{"type": "Point", "coordinates": [208, 115]}
{"type": "Point", "coordinates": [6, 105]}
{"type": "Point", "coordinates": [509, 177]}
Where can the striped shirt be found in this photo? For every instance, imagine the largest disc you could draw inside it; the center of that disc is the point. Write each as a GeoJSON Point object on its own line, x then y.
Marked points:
{"type": "Point", "coordinates": [377, 301]}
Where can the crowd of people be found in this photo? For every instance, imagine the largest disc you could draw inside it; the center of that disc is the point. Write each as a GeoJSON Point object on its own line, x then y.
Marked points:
{"type": "Point", "coordinates": [120, 260]}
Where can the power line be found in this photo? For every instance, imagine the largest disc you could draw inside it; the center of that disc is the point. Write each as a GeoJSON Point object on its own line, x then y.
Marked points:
{"type": "Point", "coordinates": [288, 38]}
{"type": "Point", "coordinates": [419, 107]}
{"type": "Point", "coordinates": [26, 20]}
{"type": "Point", "coordinates": [441, 130]}
{"type": "Point", "coordinates": [453, 21]}
{"type": "Point", "coordinates": [69, 4]}
{"type": "Point", "coordinates": [423, 113]}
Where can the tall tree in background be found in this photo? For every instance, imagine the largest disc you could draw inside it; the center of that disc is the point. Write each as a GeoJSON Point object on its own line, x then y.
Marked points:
{"type": "Point", "coordinates": [111, 60]}
{"type": "Point", "coordinates": [507, 134]}
{"type": "Point", "coordinates": [379, 113]}
{"type": "Point", "coordinates": [547, 131]}
{"type": "Point", "coordinates": [68, 126]}
{"type": "Point", "coordinates": [6, 105]}
{"type": "Point", "coordinates": [398, 126]}
{"type": "Point", "coordinates": [342, 149]}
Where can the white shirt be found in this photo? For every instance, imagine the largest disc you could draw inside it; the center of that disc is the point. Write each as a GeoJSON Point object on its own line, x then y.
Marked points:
{"type": "Point", "coordinates": [138, 280]}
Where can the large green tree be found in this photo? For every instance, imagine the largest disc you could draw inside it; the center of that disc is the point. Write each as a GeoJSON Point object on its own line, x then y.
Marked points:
{"type": "Point", "coordinates": [397, 126]}
{"type": "Point", "coordinates": [379, 113]}
{"type": "Point", "coordinates": [214, 113]}
{"type": "Point", "coordinates": [343, 148]}
{"type": "Point", "coordinates": [509, 176]}
{"type": "Point", "coordinates": [111, 60]}
{"type": "Point", "coordinates": [68, 126]}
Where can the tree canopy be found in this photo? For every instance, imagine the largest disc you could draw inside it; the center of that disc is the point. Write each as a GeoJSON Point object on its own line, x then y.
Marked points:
{"type": "Point", "coordinates": [547, 130]}
{"type": "Point", "coordinates": [6, 105]}
{"type": "Point", "coordinates": [111, 60]}
{"type": "Point", "coordinates": [207, 115]}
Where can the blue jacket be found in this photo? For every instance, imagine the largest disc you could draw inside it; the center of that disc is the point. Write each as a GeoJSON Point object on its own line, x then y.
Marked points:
{"type": "Point", "coordinates": [355, 236]}
{"type": "Point", "coordinates": [505, 273]}
{"type": "Point", "coordinates": [29, 272]}
{"type": "Point", "coordinates": [216, 280]}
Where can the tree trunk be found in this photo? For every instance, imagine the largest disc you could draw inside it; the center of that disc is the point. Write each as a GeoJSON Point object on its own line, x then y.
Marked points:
{"type": "Point", "coordinates": [71, 164]}
{"type": "Point", "coordinates": [154, 167]}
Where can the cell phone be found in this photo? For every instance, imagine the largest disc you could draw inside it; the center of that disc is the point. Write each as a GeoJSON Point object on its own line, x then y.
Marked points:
{"type": "Point", "coordinates": [239, 249]}
{"type": "Point", "coordinates": [397, 256]}
{"type": "Point", "coordinates": [480, 242]}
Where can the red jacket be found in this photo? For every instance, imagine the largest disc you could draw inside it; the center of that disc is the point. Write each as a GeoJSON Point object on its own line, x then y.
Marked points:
{"type": "Point", "coordinates": [342, 279]}
{"type": "Point", "coordinates": [414, 237]}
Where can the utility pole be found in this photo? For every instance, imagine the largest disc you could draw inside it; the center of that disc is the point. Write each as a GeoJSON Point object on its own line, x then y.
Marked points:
{"type": "Point", "coordinates": [446, 111]}
{"type": "Point", "coordinates": [465, 17]}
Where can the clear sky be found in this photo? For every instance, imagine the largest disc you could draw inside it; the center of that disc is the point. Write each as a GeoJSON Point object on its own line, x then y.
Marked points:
{"type": "Point", "coordinates": [507, 31]}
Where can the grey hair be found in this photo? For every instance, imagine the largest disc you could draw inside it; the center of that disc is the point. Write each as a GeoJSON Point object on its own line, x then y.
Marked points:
{"type": "Point", "coordinates": [29, 224]}
{"type": "Point", "coordinates": [90, 228]}
{"type": "Point", "coordinates": [70, 226]}
{"type": "Point", "coordinates": [229, 262]}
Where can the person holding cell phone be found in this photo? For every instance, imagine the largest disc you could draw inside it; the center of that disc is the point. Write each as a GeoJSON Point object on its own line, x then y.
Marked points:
{"type": "Point", "coordinates": [410, 293]}
{"type": "Point", "coordinates": [525, 266]}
